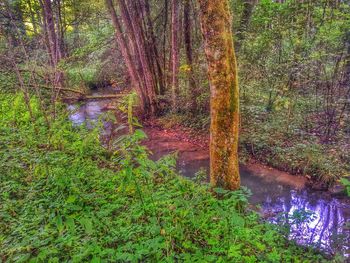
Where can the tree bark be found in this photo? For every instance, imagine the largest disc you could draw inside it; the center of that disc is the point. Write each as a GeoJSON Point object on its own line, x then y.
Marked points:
{"type": "Point", "coordinates": [175, 27]}
{"type": "Point", "coordinates": [60, 29]}
{"type": "Point", "coordinates": [189, 54]}
{"type": "Point", "coordinates": [126, 53]}
{"type": "Point", "coordinates": [51, 33]}
{"type": "Point", "coordinates": [132, 15]}
{"type": "Point", "coordinates": [153, 49]}
{"type": "Point", "coordinates": [165, 28]}
{"type": "Point", "coordinates": [347, 59]}
{"type": "Point", "coordinates": [136, 78]}
{"type": "Point", "coordinates": [216, 27]}
{"type": "Point", "coordinates": [55, 54]}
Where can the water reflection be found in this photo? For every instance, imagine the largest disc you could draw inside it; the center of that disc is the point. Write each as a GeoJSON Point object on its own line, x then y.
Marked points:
{"type": "Point", "coordinates": [326, 223]}
{"type": "Point", "coordinates": [88, 112]}
{"type": "Point", "coordinates": [325, 227]}
{"type": "Point", "coordinates": [281, 198]}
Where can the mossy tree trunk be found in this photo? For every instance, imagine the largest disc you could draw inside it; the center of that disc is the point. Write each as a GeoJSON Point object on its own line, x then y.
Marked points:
{"type": "Point", "coordinates": [222, 72]}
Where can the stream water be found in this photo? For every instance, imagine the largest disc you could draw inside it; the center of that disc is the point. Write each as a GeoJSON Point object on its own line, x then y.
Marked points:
{"type": "Point", "coordinates": [282, 197]}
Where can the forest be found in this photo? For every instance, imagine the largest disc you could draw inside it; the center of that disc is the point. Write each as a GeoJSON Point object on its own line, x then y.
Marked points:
{"type": "Point", "coordinates": [174, 131]}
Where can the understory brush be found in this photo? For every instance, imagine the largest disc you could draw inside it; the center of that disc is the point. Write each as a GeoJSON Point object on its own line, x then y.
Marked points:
{"type": "Point", "coordinates": [278, 141]}
{"type": "Point", "coordinates": [64, 198]}
{"type": "Point", "coordinates": [285, 140]}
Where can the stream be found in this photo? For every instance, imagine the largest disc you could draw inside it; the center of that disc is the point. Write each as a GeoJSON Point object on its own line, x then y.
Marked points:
{"type": "Point", "coordinates": [281, 197]}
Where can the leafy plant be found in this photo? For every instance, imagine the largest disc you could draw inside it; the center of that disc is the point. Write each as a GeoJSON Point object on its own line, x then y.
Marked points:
{"type": "Point", "coordinates": [346, 183]}
{"type": "Point", "coordinates": [66, 198]}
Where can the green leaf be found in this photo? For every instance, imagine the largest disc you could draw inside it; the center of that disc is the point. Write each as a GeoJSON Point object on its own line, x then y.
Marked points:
{"type": "Point", "coordinates": [87, 224]}
{"type": "Point", "coordinates": [71, 199]}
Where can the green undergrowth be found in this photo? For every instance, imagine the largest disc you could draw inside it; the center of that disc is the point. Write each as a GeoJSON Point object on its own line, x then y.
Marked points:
{"type": "Point", "coordinates": [285, 139]}
{"type": "Point", "coordinates": [64, 198]}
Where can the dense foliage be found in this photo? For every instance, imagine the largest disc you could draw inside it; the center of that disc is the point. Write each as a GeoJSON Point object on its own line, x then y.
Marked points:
{"type": "Point", "coordinates": [293, 60]}
{"type": "Point", "coordinates": [65, 198]}
{"type": "Point", "coordinates": [294, 78]}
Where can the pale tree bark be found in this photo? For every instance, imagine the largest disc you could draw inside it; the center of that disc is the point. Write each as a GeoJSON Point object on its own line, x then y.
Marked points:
{"type": "Point", "coordinates": [44, 29]}
{"type": "Point", "coordinates": [134, 33]}
{"type": "Point", "coordinates": [175, 57]}
{"type": "Point", "coordinates": [222, 71]}
{"type": "Point", "coordinates": [53, 29]}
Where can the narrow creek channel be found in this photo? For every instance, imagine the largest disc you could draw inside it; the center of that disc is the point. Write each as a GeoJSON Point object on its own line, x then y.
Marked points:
{"type": "Point", "coordinates": [279, 194]}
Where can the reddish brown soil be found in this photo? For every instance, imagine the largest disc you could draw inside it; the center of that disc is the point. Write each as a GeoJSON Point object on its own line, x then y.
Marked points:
{"type": "Point", "coordinates": [192, 146]}
{"type": "Point", "coordinates": [200, 139]}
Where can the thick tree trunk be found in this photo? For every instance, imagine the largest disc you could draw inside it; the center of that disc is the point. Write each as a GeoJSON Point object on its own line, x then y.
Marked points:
{"type": "Point", "coordinates": [45, 32]}
{"type": "Point", "coordinates": [134, 32]}
{"type": "Point", "coordinates": [222, 71]}
{"type": "Point", "coordinates": [175, 58]}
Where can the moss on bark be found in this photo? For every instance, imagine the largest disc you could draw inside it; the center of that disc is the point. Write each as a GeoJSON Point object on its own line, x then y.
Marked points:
{"type": "Point", "coordinates": [222, 71]}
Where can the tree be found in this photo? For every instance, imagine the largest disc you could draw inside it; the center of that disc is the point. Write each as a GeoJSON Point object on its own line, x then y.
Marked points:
{"type": "Point", "coordinates": [248, 6]}
{"type": "Point", "coordinates": [137, 51]}
{"type": "Point", "coordinates": [222, 71]}
{"type": "Point", "coordinates": [54, 47]}
{"type": "Point", "coordinates": [175, 56]}
{"type": "Point", "coordinates": [189, 53]}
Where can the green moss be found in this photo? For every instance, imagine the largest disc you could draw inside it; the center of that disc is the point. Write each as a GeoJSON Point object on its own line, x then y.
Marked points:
{"type": "Point", "coordinates": [224, 112]}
